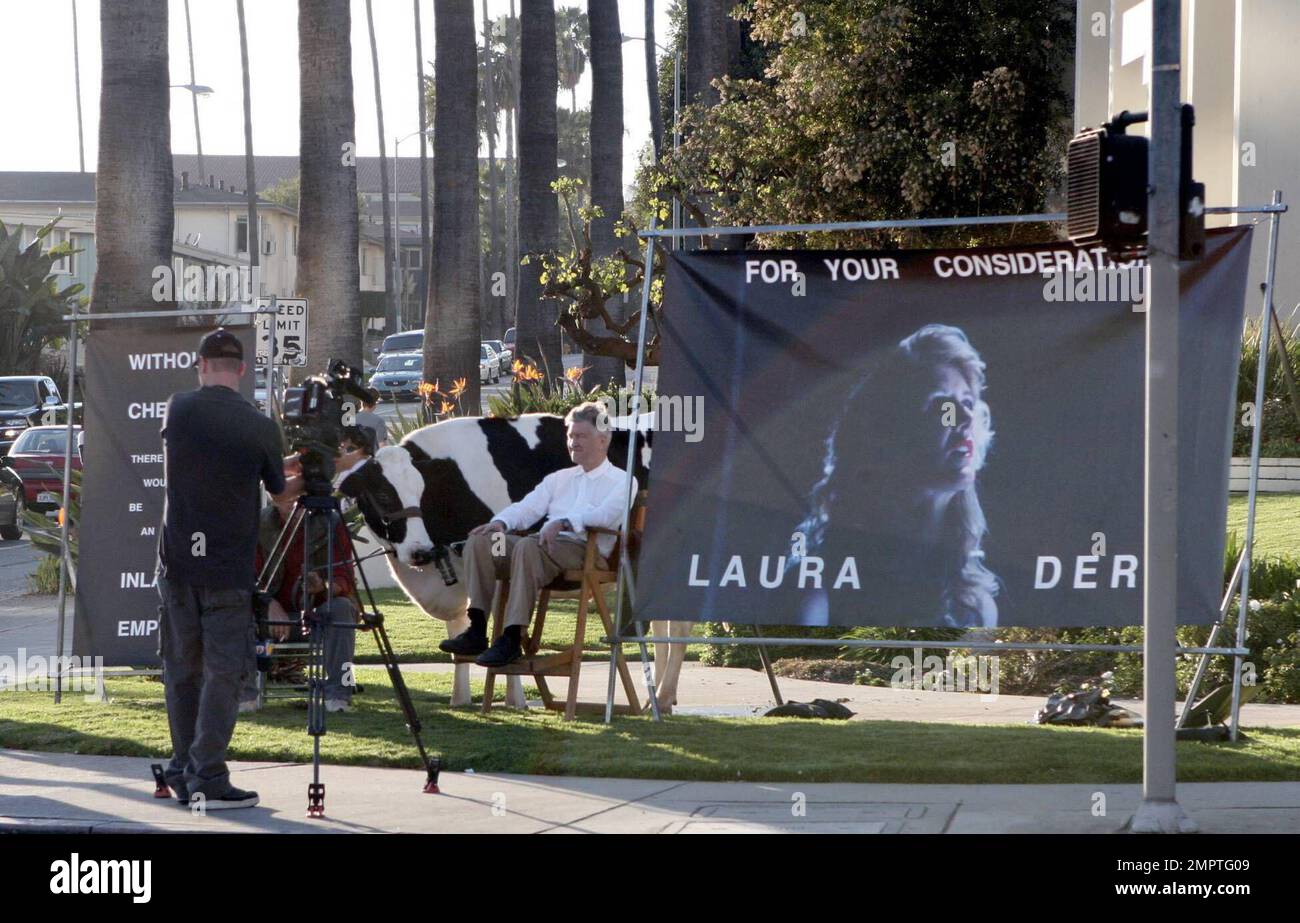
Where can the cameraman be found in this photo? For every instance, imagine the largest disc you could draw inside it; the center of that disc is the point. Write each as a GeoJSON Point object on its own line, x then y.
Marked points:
{"type": "Point", "coordinates": [216, 449]}
{"type": "Point", "coordinates": [336, 618]}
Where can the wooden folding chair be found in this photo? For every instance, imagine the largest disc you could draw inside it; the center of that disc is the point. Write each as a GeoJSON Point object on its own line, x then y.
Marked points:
{"type": "Point", "coordinates": [588, 585]}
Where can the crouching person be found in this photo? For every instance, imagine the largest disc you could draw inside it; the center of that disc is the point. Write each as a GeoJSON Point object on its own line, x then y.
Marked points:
{"type": "Point", "coordinates": [591, 493]}
{"type": "Point", "coordinates": [336, 618]}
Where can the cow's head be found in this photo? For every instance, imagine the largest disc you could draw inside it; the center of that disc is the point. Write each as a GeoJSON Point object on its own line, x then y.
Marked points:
{"type": "Point", "coordinates": [388, 489]}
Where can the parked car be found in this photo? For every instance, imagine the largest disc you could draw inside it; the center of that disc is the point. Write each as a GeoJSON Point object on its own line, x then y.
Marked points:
{"type": "Point", "coordinates": [37, 458]}
{"type": "Point", "coordinates": [398, 375]}
{"type": "Point", "coordinates": [409, 341]}
{"type": "Point", "coordinates": [23, 398]}
{"type": "Point", "coordinates": [508, 338]}
{"type": "Point", "coordinates": [489, 364]}
{"type": "Point", "coordinates": [11, 503]}
{"type": "Point", "coordinates": [504, 353]}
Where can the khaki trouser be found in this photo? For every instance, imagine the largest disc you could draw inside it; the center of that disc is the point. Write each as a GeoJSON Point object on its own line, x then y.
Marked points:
{"type": "Point", "coordinates": [525, 562]}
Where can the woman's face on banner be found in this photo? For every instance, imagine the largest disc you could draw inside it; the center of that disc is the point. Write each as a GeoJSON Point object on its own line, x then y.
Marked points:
{"type": "Point", "coordinates": [953, 432]}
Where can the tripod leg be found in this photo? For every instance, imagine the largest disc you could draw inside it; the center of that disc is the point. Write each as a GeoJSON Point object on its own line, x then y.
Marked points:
{"type": "Point", "coordinates": [375, 621]}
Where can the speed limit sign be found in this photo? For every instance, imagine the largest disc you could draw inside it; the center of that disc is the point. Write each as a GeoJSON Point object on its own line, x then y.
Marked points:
{"type": "Point", "coordinates": [290, 332]}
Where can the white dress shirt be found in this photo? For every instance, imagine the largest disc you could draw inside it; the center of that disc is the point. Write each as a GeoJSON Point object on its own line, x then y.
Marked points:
{"type": "Point", "coordinates": [585, 498]}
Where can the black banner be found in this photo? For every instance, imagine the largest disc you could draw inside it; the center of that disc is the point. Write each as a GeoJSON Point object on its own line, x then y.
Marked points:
{"type": "Point", "coordinates": [130, 374]}
{"type": "Point", "coordinates": [929, 438]}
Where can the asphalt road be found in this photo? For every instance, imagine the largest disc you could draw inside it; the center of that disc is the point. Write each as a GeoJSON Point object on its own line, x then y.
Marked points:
{"type": "Point", "coordinates": [17, 560]}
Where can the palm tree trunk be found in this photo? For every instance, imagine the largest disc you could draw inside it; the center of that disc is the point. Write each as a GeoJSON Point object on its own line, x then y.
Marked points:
{"type": "Point", "coordinates": [711, 46]}
{"type": "Point", "coordinates": [538, 334]}
{"type": "Point", "coordinates": [451, 326]}
{"type": "Point", "coordinates": [329, 276]}
{"type": "Point", "coordinates": [426, 250]}
{"type": "Point", "coordinates": [134, 220]}
{"type": "Point", "coordinates": [250, 169]}
{"type": "Point", "coordinates": [511, 317]}
{"type": "Point", "coordinates": [652, 80]}
{"type": "Point", "coordinates": [495, 314]}
{"type": "Point", "coordinates": [707, 49]}
{"type": "Point", "coordinates": [392, 273]}
{"type": "Point", "coordinates": [512, 189]}
{"type": "Point", "coordinates": [606, 159]}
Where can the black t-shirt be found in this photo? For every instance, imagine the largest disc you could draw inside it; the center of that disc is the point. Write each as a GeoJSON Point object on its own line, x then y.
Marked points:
{"type": "Point", "coordinates": [216, 447]}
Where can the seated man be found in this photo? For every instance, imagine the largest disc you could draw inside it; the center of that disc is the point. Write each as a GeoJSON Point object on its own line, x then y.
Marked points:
{"type": "Point", "coordinates": [335, 619]}
{"type": "Point", "coordinates": [591, 493]}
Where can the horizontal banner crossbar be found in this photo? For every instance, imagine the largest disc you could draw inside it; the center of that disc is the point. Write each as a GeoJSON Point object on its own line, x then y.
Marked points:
{"type": "Point", "coordinates": [724, 230]}
{"type": "Point", "coordinates": [145, 315]}
{"type": "Point", "coordinates": [852, 225]}
{"type": "Point", "coordinates": [909, 645]}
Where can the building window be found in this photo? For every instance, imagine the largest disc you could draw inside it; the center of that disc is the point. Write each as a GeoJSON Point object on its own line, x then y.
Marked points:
{"type": "Point", "coordinates": [241, 234]}
{"type": "Point", "coordinates": [411, 258]}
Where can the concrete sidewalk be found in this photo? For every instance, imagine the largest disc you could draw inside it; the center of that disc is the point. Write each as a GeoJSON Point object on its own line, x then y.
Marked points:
{"type": "Point", "coordinates": [101, 794]}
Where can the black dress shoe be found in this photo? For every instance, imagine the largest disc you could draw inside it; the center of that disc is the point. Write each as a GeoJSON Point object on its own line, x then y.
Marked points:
{"type": "Point", "coordinates": [468, 643]}
{"type": "Point", "coordinates": [503, 652]}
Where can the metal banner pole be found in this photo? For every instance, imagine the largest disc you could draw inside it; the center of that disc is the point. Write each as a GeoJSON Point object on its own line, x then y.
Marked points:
{"type": "Point", "coordinates": [1204, 663]}
{"type": "Point", "coordinates": [1252, 489]}
{"type": "Point", "coordinates": [1159, 811]}
{"type": "Point", "coordinates": [624, 562]}
{"type": "Point", "coordinates": [64, 555]}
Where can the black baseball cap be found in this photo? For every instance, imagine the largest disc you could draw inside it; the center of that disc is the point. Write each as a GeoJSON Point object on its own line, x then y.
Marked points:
{"type": "Point", "coordinates": [221, 344]}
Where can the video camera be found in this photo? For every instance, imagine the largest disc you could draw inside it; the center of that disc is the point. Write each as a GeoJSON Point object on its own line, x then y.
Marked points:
{"type": "Point", "coordinates": [314, 420]}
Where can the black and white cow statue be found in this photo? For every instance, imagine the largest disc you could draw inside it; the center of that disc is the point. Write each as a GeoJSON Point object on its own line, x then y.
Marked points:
{"type": "Point", "coordinates": [457, 474]}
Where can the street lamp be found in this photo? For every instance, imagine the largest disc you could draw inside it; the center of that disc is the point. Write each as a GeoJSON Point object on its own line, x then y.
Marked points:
{"type": "Point", "coordinates": [196, 90]}
{"type": "Point", "coordinates": [677, 113]}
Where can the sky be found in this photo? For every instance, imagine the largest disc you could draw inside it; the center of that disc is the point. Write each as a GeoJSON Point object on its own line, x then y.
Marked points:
{"type": "Point", "coordinates": [39, 112]}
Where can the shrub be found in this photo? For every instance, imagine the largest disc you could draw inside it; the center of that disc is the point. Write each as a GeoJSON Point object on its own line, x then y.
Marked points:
{"type": "Point", "coordinates": [1280, 420]}
{"type": "Point", "coordinates": [529, 394]}
{"type": "Point", "coordinates": [45, 579]}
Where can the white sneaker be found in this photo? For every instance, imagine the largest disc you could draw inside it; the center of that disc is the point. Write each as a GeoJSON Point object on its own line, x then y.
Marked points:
{"type": "Point", "coordinates": [250, 706]}
{"type": "Point", "coordinates": [334, 705]}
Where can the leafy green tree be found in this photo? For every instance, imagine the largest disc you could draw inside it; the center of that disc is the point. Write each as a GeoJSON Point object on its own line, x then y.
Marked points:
{"type": "Point", "coordinates": [31, 301]}
{"type": "Point", "coordinates": [878, 109]}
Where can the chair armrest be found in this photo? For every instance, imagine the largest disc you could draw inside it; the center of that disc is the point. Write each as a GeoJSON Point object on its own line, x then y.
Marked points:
{"type": "Point", "coordinates": [601, 530]}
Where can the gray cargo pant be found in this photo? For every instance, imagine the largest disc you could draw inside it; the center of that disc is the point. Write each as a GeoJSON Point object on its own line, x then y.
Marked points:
{"type": "Point", "coordinates": [206, 640]}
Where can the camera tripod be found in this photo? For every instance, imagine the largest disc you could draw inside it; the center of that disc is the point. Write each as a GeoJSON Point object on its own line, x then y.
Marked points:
{"type": "Point", "coordinates": [318, 506]}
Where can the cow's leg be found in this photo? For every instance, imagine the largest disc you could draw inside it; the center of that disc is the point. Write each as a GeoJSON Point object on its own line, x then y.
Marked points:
{"type": "Point", "coordinates": [661, 657]}
{"type": "Point", "coordinates": [460, 679]}
{"type": "Point", "coordinates": [460, 685]}
{"type": "Point", "coordinates": [515, 692]}
{"type": "Point", "coordinates": [666, 676]}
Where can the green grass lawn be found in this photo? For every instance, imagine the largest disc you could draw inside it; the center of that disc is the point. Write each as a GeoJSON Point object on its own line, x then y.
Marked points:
{"type": "Point", "coordinates": [1277, 522]}
{"type": "Point", "coordinates": [415, 636]}
{"type": "Point", "coordinates": [134, 724]}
